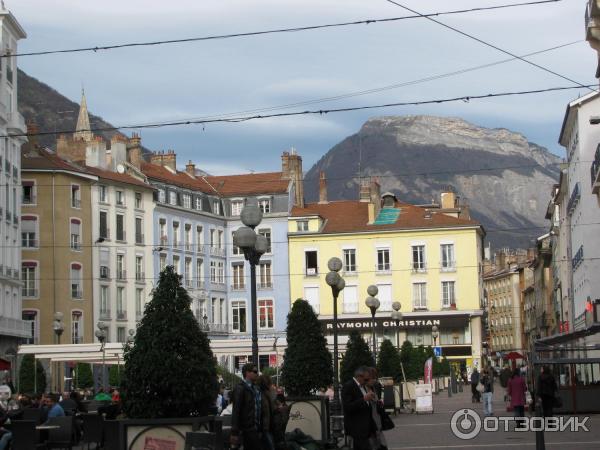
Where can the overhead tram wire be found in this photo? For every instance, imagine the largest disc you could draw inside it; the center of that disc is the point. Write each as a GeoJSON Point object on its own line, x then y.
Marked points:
{"type": "Point", "coordinates": [266, 32]}
{"type": "Point", "coordinates": [381, 88]}
{"type": "Point", "coordinates": [488, 44]}
{"type": "Point", "coordinates": [464, 98]}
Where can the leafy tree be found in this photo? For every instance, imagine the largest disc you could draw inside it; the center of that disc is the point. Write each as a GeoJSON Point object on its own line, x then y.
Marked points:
{"type": "Point", "coordinates": [170, 370]}
{"type": "Point", "coordinates": [230, 379]}
{"type": "Point", "coordinates": [357, 354]}
{"type": "Point", "coordinates": [388, 360]}
{"type": "Point", "coordinates": [114, 375]}
{"type": "Point", "coordinates": [307, 361]}
{"type": "Point", "coordinates": [27, 379]}
{"type": "Point", "coordinates": [83, 376]}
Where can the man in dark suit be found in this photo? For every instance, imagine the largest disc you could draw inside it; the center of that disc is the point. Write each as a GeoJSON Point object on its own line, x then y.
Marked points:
{"type": "Point", "coordinates": [358, 417]}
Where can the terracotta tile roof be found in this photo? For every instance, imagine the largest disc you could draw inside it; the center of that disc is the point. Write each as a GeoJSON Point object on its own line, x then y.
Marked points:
{"type": "Point", "coordinates": [181, 179]}
{"type": "Point", "coordinates": [114, 176]}
{"type": "Point", "coordinates": [353, 216]}
{"type": "Point", "coordinates": [42, 159]}
{"type": "Point", "coordinates": [250, 184]}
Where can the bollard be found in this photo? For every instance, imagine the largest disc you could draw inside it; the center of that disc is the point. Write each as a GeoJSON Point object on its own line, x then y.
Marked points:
{"type": "Point", "coordinates": [540, 444]}
{"type": "Point", "coordinates": [460, 387]}
{"type": "Point", "coordinates": [454, 387]}
{"type": "Point", "coordinates": [450, 388]}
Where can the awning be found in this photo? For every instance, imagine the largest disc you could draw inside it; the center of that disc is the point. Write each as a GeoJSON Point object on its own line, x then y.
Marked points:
{"type": "Point", "coordinates": [4, 364]}
{"type": "Point", "coordinates": [567, 337]}
{"type": "Point", "coordinates": [90, 353]}
{"type": "Point", "coordinates": [514, 355]}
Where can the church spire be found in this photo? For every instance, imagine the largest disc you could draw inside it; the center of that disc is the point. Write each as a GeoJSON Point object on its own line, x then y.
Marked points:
{"type": "Point", "coordinates": [82, 130]}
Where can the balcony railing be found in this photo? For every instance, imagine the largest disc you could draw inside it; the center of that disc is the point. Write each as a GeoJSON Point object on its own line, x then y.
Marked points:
{"type": "Point", "coordinates": [121, 275]}
{"type": "Point", "coordinates": [164, 241]}
{"type": "Point", "coordinates": [140, 277]}
{"type": "Point", "coordinates": [350, 307]}
{"type": "Point", "coordinates": [188, 283]}
{"type": "Point", "coordinates": [29, 243]}
{"type": "Point", "coordinates": [217, 327]}
{"type": "Point", "coordinates": [139, 238]}
{"type": "Point", "coordinates": [16, 327]}
{"type": "Point", "coordinates": [419, 267]}
{"type": "Point", "coordinates": [448, 266]}
{"type": "Point", "coordinates": [104, 273]}
{"type": "Point", "coordinates": [264, 285]}
{"type": "Point", "coordinates": [16, 275]}
{"type": "Point", "coordinates": [76, 292]}
{"type": "Point", "coordinates": [595, 171]}
{"type": "Point", "coordinates": [121, 315]}
{"type": "Point", "coordinates": [77, 339]}
{"type": "Point", "coordinates": [312, 272]}
{"type": "Point", "coordinates": [104, 233]}
{"type": "Point", "coordinates": [76, 203]}
{"type": "Point", "coordinates": [216, 251]}
{"type": "Point", "coordinates": [29, 292]}
{"type": "Point", "coordinates": [75, 244]}
{"type": "Point", "coordinates": [238, 287]}
{"type": "Point", "coordinates": [28, 199]}
{"type": "Point", "coordinates": [121, 235]}
{"type": "Point", "coordinates": [574, 199]}
{"type": "Point", "coordinates": [105, 314]}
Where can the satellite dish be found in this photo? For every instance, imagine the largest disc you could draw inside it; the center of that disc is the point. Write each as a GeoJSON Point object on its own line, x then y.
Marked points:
{"type": "Point", "coordinates": [120, 168]}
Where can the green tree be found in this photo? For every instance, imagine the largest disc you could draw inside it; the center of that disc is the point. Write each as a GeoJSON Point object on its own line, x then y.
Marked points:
{"type": "Point", "coordinates": [83, 376]}
{"type": "Point", "coordinates": [307, 361]}
{"type": "Point", "coordinates": [357, 354]}
{"type": "Point", "coordinates": [229, 379]}
{"type": "Point", "coordinates": [388, 360]}
{"type": "Point", "coordinates": [27, 379]}
{"type": "Point", "coordinates": [170, 370]}
{"type": "Point", "coordinates": [114, 375]}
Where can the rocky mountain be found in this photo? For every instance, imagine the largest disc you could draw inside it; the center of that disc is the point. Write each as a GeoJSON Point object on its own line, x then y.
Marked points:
{"type": "Point", "coordinates": [505, 179]}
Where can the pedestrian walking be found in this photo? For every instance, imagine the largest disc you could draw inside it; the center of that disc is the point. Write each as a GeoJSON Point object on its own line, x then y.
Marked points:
{"type": "Point", "coordinates": [265, 385]}
{"type": "Point", "coordinates": [377, 440]}
{"type": "Point", "coordinates": [517, 389]}
{"type": "Point", "coordinates": [488, 392]}
{"type": "Point", "coordinates": [247, 411]}
{"type": "Point", "coordinates": [474, 382]}
{"type": "Point", "coordinates": [358, 416]}
{"type": "Point", "coordinates": [546, 391]}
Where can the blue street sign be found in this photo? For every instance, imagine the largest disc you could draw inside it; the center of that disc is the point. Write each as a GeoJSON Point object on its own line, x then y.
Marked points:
{"type": "Point", "coordinates": [437, 351]}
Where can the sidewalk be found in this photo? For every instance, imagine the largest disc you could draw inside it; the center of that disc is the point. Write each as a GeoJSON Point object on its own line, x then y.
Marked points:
{"type": "Point", "coordinates": [432, 431]}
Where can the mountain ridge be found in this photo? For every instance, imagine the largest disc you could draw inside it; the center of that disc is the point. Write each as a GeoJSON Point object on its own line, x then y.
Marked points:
{"type": "Point", "coordinates": [505, 179]}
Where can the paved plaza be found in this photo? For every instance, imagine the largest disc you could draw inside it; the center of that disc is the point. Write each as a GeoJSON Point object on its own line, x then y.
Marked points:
{"type": "Point", "coordinates": [432, 431]}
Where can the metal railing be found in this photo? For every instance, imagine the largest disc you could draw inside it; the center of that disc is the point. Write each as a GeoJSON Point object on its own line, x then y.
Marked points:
{"type": "Point", "coordinates": [16, 327]}
{"type": "Point", "coordinates": [164, 241]}
{"type": "Point", "coordinates": [75, 244]}
{"type": "Point", "coordinates": [574, 199]}
{"type": "Point", "coordinates": [28, 199]}
{"type": "Point", "coordinates": [121, 236]}
{"type": "Point", "coordinates": [104, 272]}
{"type": "Point", "coordinates": [29, 292]}
{"type": "Point", "coordinates": [29, 243]}
{"type": "Point", "coordinates": [105, 314]}
{"type": "Point", "coordinates": [448, 266]}
{"type": "Point", "coordinates": [216, 251]}
{"type": "Point", "coordinates": [76, 292]}
{"type": "Point", "coordinates": [419, 267]}
{"type": "Point", "coordinates": [76, 203]}
{"type": "Point", "coordinates": [121, 275]}
{"type": "Point", "coordinates": [265, 285]}
{"type": "Point", "coordinates": [140, 277]}
{"type": "Point", "coordinates": [121, 315]}
{"type": "Point", "coordinates": [238, 286]}
{"type": "Point", "coordinates": [139, 238]}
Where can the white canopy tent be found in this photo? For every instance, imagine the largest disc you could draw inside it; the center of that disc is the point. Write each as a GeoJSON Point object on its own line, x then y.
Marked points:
{"type": "Point", "coordinates": [89, 353]}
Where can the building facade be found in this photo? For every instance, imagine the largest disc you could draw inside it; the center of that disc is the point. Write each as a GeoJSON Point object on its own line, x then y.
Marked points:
{"type": "Point", "coordinates": [56, 245]}
{"type": "Point", "coordinates": [427, 258]}
{"type": "Point", "coordinates": [580, 138]}
{"type": "Point", "coordinates": [12, 328]}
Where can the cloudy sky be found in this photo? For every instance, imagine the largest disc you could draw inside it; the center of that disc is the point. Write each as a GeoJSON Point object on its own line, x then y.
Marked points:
{"type": "Point", "coordinates": [197, 79]}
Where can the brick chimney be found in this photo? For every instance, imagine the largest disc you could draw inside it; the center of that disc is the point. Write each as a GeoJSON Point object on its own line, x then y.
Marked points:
{"type": "Point", "coordinates": [170, 160]}
{"type": "Point", "coordinates": [157, 158]}
{"type": "Point", "coordinates": [190, 168]}
{"type": "Point", "coordinates": [374, 199]}
{"type": "Point", "coordinates": [134, 150]}
{"type": "Point", "coordinates": [500, 260]}
{"type": "Point", "coordinates": [68, 148]}
{"type": "Point", "coordinates": [322, 188]}
{"type": "Point", "coordinates": [465, 211]}
{"type": "Point", "coordinates": [448, 198]}
{"type": "Point", "coordinates": [291, 168]}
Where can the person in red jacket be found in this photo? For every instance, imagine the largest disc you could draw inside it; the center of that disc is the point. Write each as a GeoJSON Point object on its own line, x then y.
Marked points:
{"type": "Point", "coordinates": [517, 389]}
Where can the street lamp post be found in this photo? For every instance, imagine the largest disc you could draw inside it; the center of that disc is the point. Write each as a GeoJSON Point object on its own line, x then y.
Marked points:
{"type": "Point", "coordinates": [337, 284]}
{"type": "Point", "coordinates": [58, 326]}
{"type": "Point", "coordinates": [254, 246]}
{"type": "Point", "coordinates": [101, 334]}
{"type": "Point", "coordinates": [434, 334]}
{"type": "Point", "coordinates": [396, 317]}
{"type": "Point", "coordinates": [373, 304]}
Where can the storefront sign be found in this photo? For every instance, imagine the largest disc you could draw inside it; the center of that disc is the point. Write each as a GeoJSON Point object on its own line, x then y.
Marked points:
{"type": "Point", "coordinates": [380, 322]}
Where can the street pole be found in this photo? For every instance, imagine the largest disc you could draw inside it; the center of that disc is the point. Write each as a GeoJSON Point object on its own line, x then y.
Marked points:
{"type": "Point", "coordinates": [254, 318]}
{"type": "Point", "coordinates": [337, 284]}
{"type": "Point", "coordinates": [373, 304]}
{"type": "Point", "coordinates": [373, 335]}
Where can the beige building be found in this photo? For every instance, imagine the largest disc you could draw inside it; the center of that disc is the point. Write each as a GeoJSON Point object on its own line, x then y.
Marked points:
{"type": "Point", "coordinates": [56, 266]}
{"type": "Point", "coordinates": [503, 285]}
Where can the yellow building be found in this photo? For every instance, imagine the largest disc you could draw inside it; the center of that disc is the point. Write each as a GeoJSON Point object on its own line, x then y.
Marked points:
{"type": "Point", "coordinates": [427, 258]}
{"type": "Point", "coordinates": [56, 238]}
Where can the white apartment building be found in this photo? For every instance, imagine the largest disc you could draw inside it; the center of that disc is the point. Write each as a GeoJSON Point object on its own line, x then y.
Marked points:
{"type": "Point", "coordinates": [12, 328]}
{"type": "Point", "coordinates": [581, 217]}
